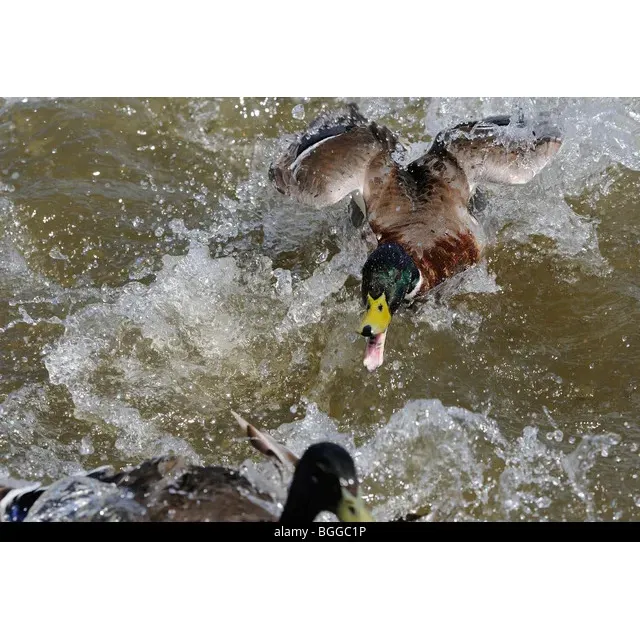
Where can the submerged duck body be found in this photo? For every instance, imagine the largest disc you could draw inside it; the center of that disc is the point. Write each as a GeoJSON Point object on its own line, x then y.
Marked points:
{"type": "Point", "coordinates": [170, 489]}
{"type": "Point", "coordinates": [419, 213]}
{"type": "Point", "coordinates": [162, 489]}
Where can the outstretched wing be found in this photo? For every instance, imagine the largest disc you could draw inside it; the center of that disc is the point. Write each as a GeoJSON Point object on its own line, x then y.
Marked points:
{"type": "Point", "coordinates": [502, 150]}
{"type": "Point", "coordinates": [331, 159]}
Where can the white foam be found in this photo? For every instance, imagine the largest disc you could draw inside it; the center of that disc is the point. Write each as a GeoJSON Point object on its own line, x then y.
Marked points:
{"type": "Point", "coordinates": [443, 311]}
{"type": "Point", "coordinates": [188, 321]}
{"type": "Point", "coordinates": [448, 463]}
{"type": "Point", "coordinates": [29, 450]}
{"type": "Point", "coordinates": [597, 134]}
{"type": "Point", "coordinates": [307, 297]}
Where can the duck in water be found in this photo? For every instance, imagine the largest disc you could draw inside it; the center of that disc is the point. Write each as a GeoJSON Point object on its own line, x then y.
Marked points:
{"type": "Point", "coordinates": [421, 214]}
{"type": "Point", "coordinates": [170, 489]}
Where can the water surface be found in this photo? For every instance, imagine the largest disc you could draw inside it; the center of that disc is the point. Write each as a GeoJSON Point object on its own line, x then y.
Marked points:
{"type": "Point", "coordinates": [151, 279]}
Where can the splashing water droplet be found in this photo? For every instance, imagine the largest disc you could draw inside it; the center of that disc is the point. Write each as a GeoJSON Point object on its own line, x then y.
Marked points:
{"type": "Point", "coordinates": [86, 446]}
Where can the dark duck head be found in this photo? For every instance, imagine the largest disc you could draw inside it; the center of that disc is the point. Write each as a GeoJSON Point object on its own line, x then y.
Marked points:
{"type": "Point", "coordinates": [389, 276]}
{"type": "Point", "coordinates": [325, 479]}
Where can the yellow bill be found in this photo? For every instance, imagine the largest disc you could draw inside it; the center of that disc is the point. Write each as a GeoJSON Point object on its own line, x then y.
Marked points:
{"type": "Point", "coordinates": [377, 316]}
{"type": "Point", "coordinates": [352, 509]}
{"type": "Point", "coordinates": [374, 327]}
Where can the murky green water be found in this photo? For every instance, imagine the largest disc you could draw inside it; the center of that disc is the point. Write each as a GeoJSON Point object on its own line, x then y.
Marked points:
{"type": "Point", "coordinates": [151, 279]}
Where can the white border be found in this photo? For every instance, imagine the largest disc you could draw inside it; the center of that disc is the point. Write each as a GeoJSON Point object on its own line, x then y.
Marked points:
{"type": "Point", "coordinates": [71, 48]}
{"type": "Point", "coordinates": [436, 590]}
{"type": "Point", "coordinates": [333, 48]}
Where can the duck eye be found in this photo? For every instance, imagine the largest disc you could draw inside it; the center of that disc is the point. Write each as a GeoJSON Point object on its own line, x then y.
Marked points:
{"type": "Point", "coordinates": [368, 307]}
{"type": "Point", "coordinates": [379, 307]}
{"type": "Point", "coordinates": [352, 510]}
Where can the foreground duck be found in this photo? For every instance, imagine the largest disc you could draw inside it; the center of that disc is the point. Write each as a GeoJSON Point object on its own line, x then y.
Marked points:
{"type": "Point", "coordinates": [420, 213]}
{"type": "Point", "coordinates": [169, 489]}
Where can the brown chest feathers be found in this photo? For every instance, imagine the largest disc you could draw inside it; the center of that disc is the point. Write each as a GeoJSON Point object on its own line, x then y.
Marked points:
{"type": "Point", "coordinates": [424, 210]}
{"type": "Point", "coordinates": [443, 257]}
{"type": "Point", "coordinates": [450, 255]}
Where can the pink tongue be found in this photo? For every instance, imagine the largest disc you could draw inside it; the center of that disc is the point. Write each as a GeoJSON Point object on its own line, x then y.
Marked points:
{"type": "Point", "coordinates": [374, 351]}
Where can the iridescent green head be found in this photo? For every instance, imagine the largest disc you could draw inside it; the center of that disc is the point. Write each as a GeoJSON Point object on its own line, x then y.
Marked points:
{"type": "Point", "coordinates": [388, 276]}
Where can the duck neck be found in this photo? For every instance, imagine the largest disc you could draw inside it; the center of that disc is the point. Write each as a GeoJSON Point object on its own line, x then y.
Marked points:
{"type": "Point", "coordinates": [302, 505]}
{"type": "Point", "coordinates": [298, 510]}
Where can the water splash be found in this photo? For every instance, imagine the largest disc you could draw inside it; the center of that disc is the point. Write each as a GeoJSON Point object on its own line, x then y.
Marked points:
{"type": "Point", "coordinates": [260, 308]}
{"type": "Point", "coordinates": [81, 499]}
{"type": "Point", "coordinates": [442, 312]}
{"type": "Point", "coordinates": [597, 134]}
{"type": "Point", "coordinates": [449, 463]}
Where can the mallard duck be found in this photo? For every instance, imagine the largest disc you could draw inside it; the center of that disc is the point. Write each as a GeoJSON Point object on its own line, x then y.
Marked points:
{"type": "Point", "coordinates": [419, 213]}
{"type": "Point", "coordinates": [170, 489]}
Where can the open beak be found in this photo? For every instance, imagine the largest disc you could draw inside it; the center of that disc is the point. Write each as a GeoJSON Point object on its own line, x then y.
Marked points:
{"type": "Point", "coordinates": [374, 351]}
{"type": "Point", "coordinates": [352, 509]}
{"type": "Point", "coordinates": [374, 328]}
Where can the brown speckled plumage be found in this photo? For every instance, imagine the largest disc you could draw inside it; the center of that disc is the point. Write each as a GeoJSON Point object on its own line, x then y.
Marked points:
{"type": "Point", "coordinates": [423, 207]}
{"type": "Point", "coordinates": [170, 489]}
